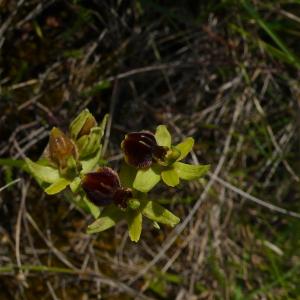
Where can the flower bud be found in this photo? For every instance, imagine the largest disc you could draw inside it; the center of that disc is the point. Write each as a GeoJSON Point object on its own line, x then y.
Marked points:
{"type": "Point", "coordinates": [60, 148]}
{"type": "Point", "coordinates": [82, 124]}
{"type": "Point", "coordinates": [90, 122]}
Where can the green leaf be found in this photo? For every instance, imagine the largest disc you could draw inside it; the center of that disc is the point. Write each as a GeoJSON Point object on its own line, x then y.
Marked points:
{"type": "Point", "coordinates": [127, 175]}
{"type": "Point", "coordinates": [163, 136]}
{"type": "Point", "coordinates": [145, 180]}
{"type": "Point", "coordinates": [57, 186]}
{"type": "Point", "coordinates": [170, 177]}
{"type": "Point", "coordinates": [110, 216]}
{"type": "Point", "coordinates": [94, 210]}
{"type": "Point", "coordinates": [42, 173]}
{"type": "Point", "coordinates": [16, 163]}
{"type": "Point", "coordinates": [190, 172]}
{"type": "Point", "coordinates": [185, 147]}
{"type": "Point", "coordinates": [158, 213]}
{"type": "Point", "coordinates": [89, 164]}
{"type": "Point", "coordinates": [134, 220]}
{"type": "Point", "coordinates": [75, 184]}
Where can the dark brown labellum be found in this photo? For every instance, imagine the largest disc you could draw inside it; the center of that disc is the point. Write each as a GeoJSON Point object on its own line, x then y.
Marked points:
{"type": "Point", "coordinates": [103, 188]}
{"type": "Point", "coordinates": [141, 149]}
{"type": "Point", "coordinates": [137, 147]}
{"type": "Point", "coordinates": [121, 197]}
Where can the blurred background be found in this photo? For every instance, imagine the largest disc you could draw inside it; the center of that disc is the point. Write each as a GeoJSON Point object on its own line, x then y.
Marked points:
{"type": "Point", "coordinates": [225, 72]}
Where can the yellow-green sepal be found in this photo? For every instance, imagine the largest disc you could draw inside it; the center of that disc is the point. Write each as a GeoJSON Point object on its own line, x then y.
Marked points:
{"type": "Point", "coordinates": [163, 136]}
{"type": "Point", "coordinates": [190, 172]}
{"type": "Point", "coordinates": [134, 220]}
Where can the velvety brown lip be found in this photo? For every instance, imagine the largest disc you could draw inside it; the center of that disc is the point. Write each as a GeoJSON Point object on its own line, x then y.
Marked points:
{"type": "Point", "coordinates": [141, 149]}
{"type": "Point", "coordinates": [103, 188]}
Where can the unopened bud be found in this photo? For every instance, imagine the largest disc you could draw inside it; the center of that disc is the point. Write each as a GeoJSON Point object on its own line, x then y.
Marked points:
{"type": "Point", "coordinates": [82, 124]}
{"type": "Point", "coordinates": [60, 147]}
{"type": "Point", "coordinates": [88, 125]}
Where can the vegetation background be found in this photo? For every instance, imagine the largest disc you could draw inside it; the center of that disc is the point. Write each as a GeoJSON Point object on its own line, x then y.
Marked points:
{"type": "Point", "coordinates": [225, 72]}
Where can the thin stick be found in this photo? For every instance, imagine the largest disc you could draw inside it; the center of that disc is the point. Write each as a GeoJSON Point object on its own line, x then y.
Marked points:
{"type": "Point", "coordinates": [111, 115]}
{"type": "Point", "coordinates": [18, 225]}
{"type": "Point", "coordinates": [9, 184]}
{"type": "Point", "coordinates": [94, 275]}
{"type": "Point", "coordinates": [254, 199]}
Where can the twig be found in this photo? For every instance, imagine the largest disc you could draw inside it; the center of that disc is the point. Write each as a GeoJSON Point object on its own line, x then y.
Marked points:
{"type": "Point", "coordinates": [18, 225]}
{"type": "Point", "coordinates": [113, 102]}
{"type": "Point", "coordinates": [255, 199]}
{"type": "Point", "coordinates": [10, 184]}
{"type": "Point", "coordinates": [109, 281]}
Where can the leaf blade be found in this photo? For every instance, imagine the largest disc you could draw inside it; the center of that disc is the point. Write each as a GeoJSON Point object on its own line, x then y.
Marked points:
{"type": "Point", "coordinates": [42, 173]}
{"type": "Point", "coordinates": [57, 186]}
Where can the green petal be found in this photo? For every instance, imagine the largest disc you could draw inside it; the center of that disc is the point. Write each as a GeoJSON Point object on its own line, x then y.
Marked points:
{"type": "Point", "coordinates": [158, 213]}
{"type": "Point", "coordinates": [190, 172]}
{"type": "Point", "coordinates": [42, 173]}
{"type": "Point", "coordinates": [170, 177]}
{"type": "Point", "coordinates": [110, 216]}
{"type": "Point", "coordinates": [145, 180]}
{"type": "Point", "coordinates": [163, 136]}
{"type": "Point", "coordinates": [185, 147]}
{"type": "Point", "coordinates": [57, 186]}
{"type": "Point", "coordinates": [134, 220]}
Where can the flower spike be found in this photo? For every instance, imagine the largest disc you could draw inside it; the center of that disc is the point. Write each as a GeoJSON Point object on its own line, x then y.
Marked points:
{"type": "Point", "coordinates": [156, 158]}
